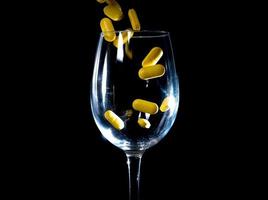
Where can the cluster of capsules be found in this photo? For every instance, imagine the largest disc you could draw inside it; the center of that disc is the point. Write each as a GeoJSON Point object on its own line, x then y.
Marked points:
{"type": "Point", "coordinates": [150, 68]}
{"type": "Point", "coordinates": [114, 13]}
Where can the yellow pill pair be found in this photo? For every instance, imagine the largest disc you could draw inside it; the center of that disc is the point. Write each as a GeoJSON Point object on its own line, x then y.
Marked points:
{"type": "Point", "coordinates": [114, 120]}
{"type": "Point", "coordinates": [150, 69]}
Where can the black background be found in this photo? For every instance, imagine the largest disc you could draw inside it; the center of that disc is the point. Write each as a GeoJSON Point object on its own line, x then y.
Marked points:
{"type": "Point", "coordinates": [60, 153]}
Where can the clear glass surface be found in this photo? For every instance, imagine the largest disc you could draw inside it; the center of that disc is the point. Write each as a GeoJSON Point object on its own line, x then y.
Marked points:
{"type": "Point", "coordinates": [116, 84]}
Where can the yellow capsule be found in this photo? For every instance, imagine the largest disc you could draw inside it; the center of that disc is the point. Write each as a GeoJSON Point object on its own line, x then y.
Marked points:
{"type": "Point", "coordinates": [123, 37]}
{"type": "Point", "coordinates": [165, 106]}
{"type": "Point", "coordinates": [107, 29]}
{"type": "Point", "coordinates": [113, 11]}
{"type": "Point", "coordinates": [128, 51]}
{"type": "Point", "coordinates": [134, 20]}
{"type": "Point", "coordinates": [101, 1]}
{"type": "Point", "coordinates": [144, 123]}
{"type": "Point", "coordinates": [145, 106]}
{"type": "Point", "coordinates": [151, 72]}
{"type": "Point", "coordinates": [152, 57]}
{"type": "Point", "coordinates": [114, 120]}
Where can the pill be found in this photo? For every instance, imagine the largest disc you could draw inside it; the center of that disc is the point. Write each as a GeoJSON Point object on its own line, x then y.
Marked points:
{"type": "Point", "coordinates": [144, 123]}
{"type": "Point", "coordinates": [128, 51]}
{"type": "Point", "coordinates": [152, 57]}
{"type": "Point", "coordinates": [165, 106]}
{"type": "Point", "coordinates": [113, 11]}
{"type": "Point", "coordinates": [101, 1]}
{"type": "Point", "coordinates": [155, 71]}
{"type": "Point", "coordinates": [114, 120]}
{"type": "Point", "coordinates": [145, 106]}
{"type": "Point", "coordinates": [107, 29]}
{"type": "Point", "coordinates": [123, 37]}
{"type": "Point", "coordinates": [134, 20]}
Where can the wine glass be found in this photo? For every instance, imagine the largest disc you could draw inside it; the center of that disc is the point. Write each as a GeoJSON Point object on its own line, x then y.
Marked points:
{"type": "Point", "coordinates": [134, 93]}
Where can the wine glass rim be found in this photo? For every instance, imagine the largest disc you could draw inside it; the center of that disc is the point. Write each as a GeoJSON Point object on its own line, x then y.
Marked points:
{"type": "Point", "coordinates": [142, 33]}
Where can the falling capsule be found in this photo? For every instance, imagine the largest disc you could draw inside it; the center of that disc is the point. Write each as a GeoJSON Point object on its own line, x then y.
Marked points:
{"type": "Point", "coordinates": [152, 57]}
{"type": "Point", "coordinates": [107, 29]}
{"type": "Point", "coordinates": [134, 20]}
{"type": "Point", "coordinates": [151, 72]}
{"type": "Point", "coordinates": [145, 106]}
{"type": "Point", "coordinates": [114, 120]}
{"type": "Point", "coordinates": [113, 11]}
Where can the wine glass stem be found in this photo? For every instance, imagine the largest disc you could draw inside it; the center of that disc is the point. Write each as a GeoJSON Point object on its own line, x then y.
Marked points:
{"type": "Point", "coordinates": [134, 163]}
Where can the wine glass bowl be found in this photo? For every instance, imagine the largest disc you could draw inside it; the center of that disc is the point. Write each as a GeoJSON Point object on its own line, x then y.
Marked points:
{"type": "Point", "coordinates": [134, 93]}
{"type": "Point", "coordinates": [116, 84]}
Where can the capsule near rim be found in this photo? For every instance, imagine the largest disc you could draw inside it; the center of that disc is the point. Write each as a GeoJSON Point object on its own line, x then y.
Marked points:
{"type": "Point", "coordinates": [113, 11]}
{"type": "Point", "coordinates": [165, 105]}
{"type": "Point", "coordinates": [144, 123]}
{"type": "Point", "coordinates": [134, 20]}
{"type": "Point", "coordinates": [123, 37]}
{"type": "Point", "coordinates": [114, 120]}
{"type": "Point", "coordinates": [151, 72]}
{"type": "Point", "coordinates": [145, 106]}
{"type": "Point", "coordinates": [107, 29]}
{"type": "Point", "coordinates": [152, 57]}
